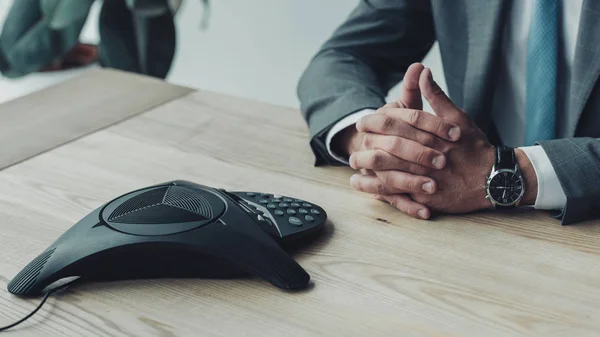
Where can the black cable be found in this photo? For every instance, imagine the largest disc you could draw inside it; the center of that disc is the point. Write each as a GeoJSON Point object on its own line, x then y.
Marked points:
{"type": "Point", "coordinates": [4, 328]}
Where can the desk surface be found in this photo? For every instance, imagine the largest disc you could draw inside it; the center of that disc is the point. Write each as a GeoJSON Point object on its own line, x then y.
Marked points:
{"type": "Point", "coordinates": [376, 272]}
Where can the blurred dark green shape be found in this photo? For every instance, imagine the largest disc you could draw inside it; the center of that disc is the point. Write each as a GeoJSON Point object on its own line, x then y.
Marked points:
{"type": "Point", "coordinates": [135, 35]}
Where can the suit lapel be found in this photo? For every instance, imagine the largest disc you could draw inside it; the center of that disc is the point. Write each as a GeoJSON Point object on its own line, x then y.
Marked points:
{"type": "Point", "coordinates": [484, 34]}
{"type": "Point", "coordinates": [586, 66]}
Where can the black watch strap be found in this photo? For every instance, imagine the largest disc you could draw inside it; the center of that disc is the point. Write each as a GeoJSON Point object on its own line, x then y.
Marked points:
{"type": "Point", "coordinates": [505, 158]}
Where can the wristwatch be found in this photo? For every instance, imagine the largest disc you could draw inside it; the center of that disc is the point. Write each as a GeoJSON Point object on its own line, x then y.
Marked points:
{"type": "Point", "coordinates": [505, 186]}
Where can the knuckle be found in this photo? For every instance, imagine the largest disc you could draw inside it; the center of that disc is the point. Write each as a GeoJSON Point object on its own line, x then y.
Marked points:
{"type": "Point", "coordinates": [396, 145]}
{"type": "Point", "coordinates": [380, 188]}
{"type": "Point", "coordinates": [376, 161]}
{"type": "Point", "coordinates": [387, 123]}
{"type": "Point", "coordinates": [389, 180]}
{"type": "Point", "coordinates": [420, 155]}
{"type": "Point", "coordinates": [441, 128]}
{"type": "Point", "coordinates": [414, 116]}
{"type": "Point", "coordinates": [366, 141]}
{"type": "Point", "coordinates": [410, 184]}
{"type": "Point", "coordinates": [380, 110]}
{"type": "Point", "coordinates": [385, 178]}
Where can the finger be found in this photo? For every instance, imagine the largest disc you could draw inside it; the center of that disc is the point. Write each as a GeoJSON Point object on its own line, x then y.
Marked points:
{"type": "Point", "coordinates": [404, 149]}
{"type": "Point", "coordinates": [373, 185]}
{"type": "Point", "coordinates": [394, 121]}
{"type": "Point", "coordinates": [383, 124]}
{"type": "Point", "coordinates": [380, 160]}
{"type": "Point", "coordinates": [405, 204]}
{"type": "Point", "coordinates": [408, 182]}
{"type": "Point", "coordinates": [410, 93]}
{"type": "Point", "coordinates": [440, 103]}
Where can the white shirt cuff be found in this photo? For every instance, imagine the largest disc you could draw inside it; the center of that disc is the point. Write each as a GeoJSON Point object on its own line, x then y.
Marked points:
{"type": "Point", "coordinates": [341, 125]}
{"type": "Point", "coordinates": [550, 194]}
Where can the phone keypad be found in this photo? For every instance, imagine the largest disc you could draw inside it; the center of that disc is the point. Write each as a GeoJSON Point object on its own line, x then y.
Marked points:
{"type": "Point", "coordinates": [297, 211]}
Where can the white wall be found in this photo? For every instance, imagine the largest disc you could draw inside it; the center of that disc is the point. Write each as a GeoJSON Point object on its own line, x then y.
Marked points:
{"type": "Point", "coordinates": [256, 49]}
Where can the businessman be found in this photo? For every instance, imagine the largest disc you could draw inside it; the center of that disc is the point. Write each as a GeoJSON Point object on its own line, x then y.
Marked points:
{"type": "Point", "coordinates": [521, 125]}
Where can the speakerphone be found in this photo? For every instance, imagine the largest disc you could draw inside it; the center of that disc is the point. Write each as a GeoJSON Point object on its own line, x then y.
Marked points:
{"type": "Point", "coordinates": [179, 229]}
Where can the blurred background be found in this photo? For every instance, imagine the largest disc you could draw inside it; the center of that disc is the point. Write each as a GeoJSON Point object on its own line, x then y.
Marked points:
{"type": "Point", "coordinates": [253, 49]}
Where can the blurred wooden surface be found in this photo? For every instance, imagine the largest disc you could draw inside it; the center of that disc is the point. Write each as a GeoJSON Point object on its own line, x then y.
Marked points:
{"type": "Point", "coordinates": [376, 272]}
{"type": "Point", "coordinates": [46, 119]}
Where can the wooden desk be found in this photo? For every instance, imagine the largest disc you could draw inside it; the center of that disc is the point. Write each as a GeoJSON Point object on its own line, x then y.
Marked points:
{"type": "Point", "coordinates": [376, 272]}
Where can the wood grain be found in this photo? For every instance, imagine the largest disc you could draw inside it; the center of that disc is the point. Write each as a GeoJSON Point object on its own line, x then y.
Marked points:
{"type": "Point", "coordinates": [376, 272]}
{"type": "Point", "coordinates": [46, 119]}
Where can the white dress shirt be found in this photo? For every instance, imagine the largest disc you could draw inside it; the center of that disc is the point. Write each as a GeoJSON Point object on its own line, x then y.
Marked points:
{"type": "Point", "coordinates": [509, 98]}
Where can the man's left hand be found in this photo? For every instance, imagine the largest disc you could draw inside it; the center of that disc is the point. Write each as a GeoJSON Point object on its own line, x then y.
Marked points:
{"type": "Point", "coordinates": [459, 185]}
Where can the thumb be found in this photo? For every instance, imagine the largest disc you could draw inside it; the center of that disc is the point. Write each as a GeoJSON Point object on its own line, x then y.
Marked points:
{"type": "Point", "coordinates": [410, 94]}
{"type": "Point", "coordinates": [441, 104]}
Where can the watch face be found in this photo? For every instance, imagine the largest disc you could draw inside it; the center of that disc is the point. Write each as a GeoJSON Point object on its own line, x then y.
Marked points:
{"type": "Point", "coordinates": [506, 187]}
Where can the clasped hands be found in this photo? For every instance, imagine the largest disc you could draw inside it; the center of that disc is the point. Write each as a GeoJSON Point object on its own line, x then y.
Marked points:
{"type": "Point", "coordinates": [420, 162]}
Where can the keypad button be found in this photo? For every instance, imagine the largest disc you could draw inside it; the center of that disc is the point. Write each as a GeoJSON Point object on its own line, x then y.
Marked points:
{"type": "Point", "coordinates": [266, 195]}
{"type": "Point", "coordinates": [291, 211]}
{"type": "Point", "coordinates": [276, 200]}
{"type": "Point", "coordinates": [271, 206]}
{"type": "Point", "coordinates": [306, 205]}
{"type": "Point", "coordinates": [263, 201]}
{"type": "Point", "coordinates": [295, 204]}
{"type": "Point", "coordinates": [283, 205]}
{"type": "Point", "coordinates": [314, 211]}
{"type": "Point", "coordinates": [295, 221]}
{"type": "Point", "coordinates": [287, 200]}
{"type": "Point", "coordinates": [309, 218]}
{"type": "Point", "coordinates": [250, 194]}
{"type": "Point", "coordinates": [277, 196]}
{"type": "Point", "coordinates": [298, 200]}
{"type": "Point", "coordinates": [279, 212]}
{"type": "Point", "coordinates": [302, 211]}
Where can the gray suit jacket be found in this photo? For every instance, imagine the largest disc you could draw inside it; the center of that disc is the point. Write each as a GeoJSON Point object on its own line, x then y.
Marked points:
{"type": "Point", "coordinates": [370, 52]}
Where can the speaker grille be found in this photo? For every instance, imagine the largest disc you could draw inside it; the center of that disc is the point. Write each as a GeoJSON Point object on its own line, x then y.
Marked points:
{"type": "Point", "coordinates": [188, 200]}
{"type": "Point", "coordinates": [147, 199]}
{"type": "Point", "coordinates": [159, 214]}
{"type": "Point", "coordinates": [23, 282]}
{"type": "Point", "coordinates": [172, 204]}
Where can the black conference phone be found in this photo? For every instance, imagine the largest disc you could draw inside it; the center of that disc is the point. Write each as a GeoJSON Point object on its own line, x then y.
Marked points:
{"type": "Point", "coordinates": [179, 229]}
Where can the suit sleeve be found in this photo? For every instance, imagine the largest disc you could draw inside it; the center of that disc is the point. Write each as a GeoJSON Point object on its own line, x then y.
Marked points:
{"type": "Point", "coordinates": [577, 165]}
{"type": "Point", "coordinates": [366, 56]}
